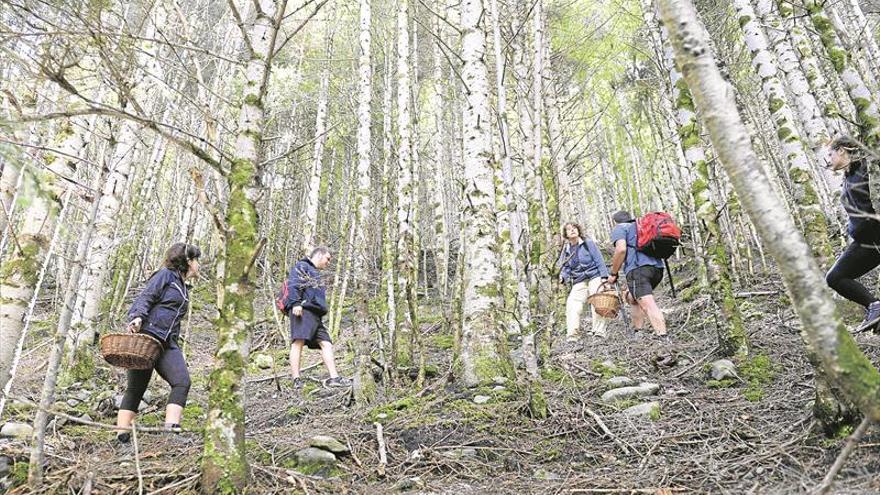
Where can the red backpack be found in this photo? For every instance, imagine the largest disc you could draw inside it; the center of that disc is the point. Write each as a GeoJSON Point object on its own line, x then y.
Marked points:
{"type": "Point", "coordinates": [281, 297]}
{"type": "Point", "coordinates": [657, 234]}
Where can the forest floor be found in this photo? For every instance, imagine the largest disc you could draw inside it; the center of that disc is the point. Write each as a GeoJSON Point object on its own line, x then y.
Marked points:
{"type": "Point", "coordinates": [753, 434]}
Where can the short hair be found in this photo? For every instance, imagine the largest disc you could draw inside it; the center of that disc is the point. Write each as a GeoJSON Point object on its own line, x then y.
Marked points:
{"type": "Point", "coordinates": [319, 250]}
{"type": "Point", "coordinates": [846, 143]}
{"type": "Point", "coordinates": [178, 255]}
{"type": "Point", "coordinates": [622, 217]}
{"type": "Point", "coordinates": [575, 225]}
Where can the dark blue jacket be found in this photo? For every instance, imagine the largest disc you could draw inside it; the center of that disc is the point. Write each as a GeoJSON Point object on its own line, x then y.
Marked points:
{"type": "Point", "coordinates": [856, 199]}
{"type": "Point", "coordinates": [162, 305]}
{"type": "Point", "coordinates": [305, 288]}
{"type": "Point", "coordinates": [586, 263]}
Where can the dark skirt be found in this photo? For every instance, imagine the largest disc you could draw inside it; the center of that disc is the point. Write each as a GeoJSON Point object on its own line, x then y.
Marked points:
{"type": "Point", "coordinates": [309, 328]}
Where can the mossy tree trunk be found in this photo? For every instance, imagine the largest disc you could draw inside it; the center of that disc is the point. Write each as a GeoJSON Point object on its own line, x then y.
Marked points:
{"type": "Point", "coordinates": [522, 313]}
{"type": "Point", "coordinates": [224, 464]}
{"type": "Point", "coordinates": [838, 356]}
{"type": "Point", "coordinates": [806, 200]}
{"type": "Point", "coordinates": [732, 338]}
{"type": "Point", "coordinates": [43, 191]}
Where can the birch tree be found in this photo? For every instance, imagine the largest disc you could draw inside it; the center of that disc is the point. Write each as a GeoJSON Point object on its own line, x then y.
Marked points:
{"type": "Point", "coordinates": [822, 331]}
{"type": "Point", "coordinates": [805, 197]}
{"type": "Point", "coordinates": [482, 350]}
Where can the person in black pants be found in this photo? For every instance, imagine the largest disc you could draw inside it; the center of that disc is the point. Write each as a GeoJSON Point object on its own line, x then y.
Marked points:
{"type": "Point", "coordinates": [863, 253]}
{"type": "Point", "coordinates": [157, 312]}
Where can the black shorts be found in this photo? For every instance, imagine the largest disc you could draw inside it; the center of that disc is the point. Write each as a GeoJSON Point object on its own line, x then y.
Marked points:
{"type": "Point", "coordinates": [643, 280]}
{"type": "Point", "coordinates": [309, 328]}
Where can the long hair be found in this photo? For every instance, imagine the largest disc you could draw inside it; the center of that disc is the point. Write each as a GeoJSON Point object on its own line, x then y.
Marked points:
{"type": "Point", "coordinates": [178, 255]}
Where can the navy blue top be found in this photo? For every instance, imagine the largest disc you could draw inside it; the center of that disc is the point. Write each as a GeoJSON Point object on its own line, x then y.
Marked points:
{"type": "Point", "coordinates": [856, 199]}
{"type": "Point", "coordinates": [584, 263]}
{"type": "Point", "coordinates": [162, 305]}
{"type": "Point", "coordinates": [634, 257]}
{"type": "Point", "coordinates": [304, 288]}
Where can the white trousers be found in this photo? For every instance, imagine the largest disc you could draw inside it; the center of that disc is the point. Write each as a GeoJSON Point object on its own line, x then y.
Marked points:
{"type": "Point", "coordinates": [574, 307]}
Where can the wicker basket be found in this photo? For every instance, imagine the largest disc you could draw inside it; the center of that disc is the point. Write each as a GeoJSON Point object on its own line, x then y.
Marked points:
{"type": "Point", "coordinates": [606, 302]}
{"type": "Point", "coordinates": [136, 351]}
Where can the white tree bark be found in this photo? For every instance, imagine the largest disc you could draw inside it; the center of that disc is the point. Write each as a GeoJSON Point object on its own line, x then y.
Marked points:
{"type": "Point", "coordinates": [405, 188]}
{"type": "Point", "coordinates": [479, 336]}
{"type": "Point", "coordinates": [19, 276]}
{"type": "Point", "coordinates": [798, 163]}
{"type": "Point", "coordinates": [439, 167]}
{"type": "Point", "coordinates": [310, 213]}
{"type": "Point", "coordinates": [822, 329]}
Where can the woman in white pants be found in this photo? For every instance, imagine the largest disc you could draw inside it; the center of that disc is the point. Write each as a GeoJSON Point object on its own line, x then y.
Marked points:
{"type": "Point", "coordinates": [584, 268]}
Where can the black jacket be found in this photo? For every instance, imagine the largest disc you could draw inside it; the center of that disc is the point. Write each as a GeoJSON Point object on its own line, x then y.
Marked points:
{"type": "Point", "coordinates": [162, 305]}
{"type": "Point", "coordinates": [305, 288]}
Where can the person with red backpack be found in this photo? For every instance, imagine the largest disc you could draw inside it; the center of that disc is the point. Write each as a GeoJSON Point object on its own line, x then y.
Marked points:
{"type": "Point", "coordinates": [643, 273]}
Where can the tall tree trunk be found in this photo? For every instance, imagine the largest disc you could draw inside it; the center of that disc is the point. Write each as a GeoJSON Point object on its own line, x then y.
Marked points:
{"type": "Point", "coordinates": [805, 197]}
{"type": "Point", "coordinates": [310, 213]}
{"type": "Point", "coordinates": [732, 337]}
{"type": "Point", "coordinates": [47, 394]}
{"type": "Point", "coordinates": [838, 356]}
{"type": "Point", "coordinates": [482, 348]}
{"type": "Point", "coordinates": [18, 274]}
{"type": "Point", "coordinates": [522, 313]}
{"type": "Point", "coordinates": [364, 386]}
{"type": "Point", "coordinates": [224, 464]}
{"type": "Point", "coordinates": [406, 202]}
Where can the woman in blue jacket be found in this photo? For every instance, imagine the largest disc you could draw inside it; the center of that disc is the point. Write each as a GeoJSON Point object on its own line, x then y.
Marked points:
{"type": "Point", "coordinates": [157, 312]}
{"type": "Point", "coordinates": [863, 253]}
{"type": "Point", "coordinates": [584, 268]}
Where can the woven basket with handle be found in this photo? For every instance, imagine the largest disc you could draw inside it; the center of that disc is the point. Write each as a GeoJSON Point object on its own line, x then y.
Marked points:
{"type": "Point", "coordinates": [606, 302]}
{"type": "Point", "coordinates": [136, 351]}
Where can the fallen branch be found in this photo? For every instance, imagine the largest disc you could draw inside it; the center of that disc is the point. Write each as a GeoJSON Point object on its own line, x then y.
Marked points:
{"type": "Point", "coordinates": [383, 457]}
{"type": "Point", "coordinates": [606, 430]}
{"type": "Point", "coordinates": [741, 295]}
{"type": "Point", "coordinates": [844, 455]}
{"type": "Point", "coordinates": [137, 458]}
{"type": "Point", "coordinates": [280, 375]}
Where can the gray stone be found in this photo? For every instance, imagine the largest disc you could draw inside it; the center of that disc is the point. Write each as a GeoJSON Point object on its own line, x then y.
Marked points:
{"type": "Point", "coordinates": [86, 417]}
{"type": "Point", "coordinates": [462, 452]}
{"type": "Point", "coordinates": [18, 430]}
{"type": "Point", "coordinates": [5, 465]}
{"type": "Point", "coordinates": [482, 399]}
{"type": "Point", "coordinates": [630, 392]}
{"type": "Point", "coordinates": [543, 474]}
{"type": "Point", "coordinates": [646, 410]}
{"type": "Point", "coordinates": [117, 401]}
{"type": "Point", "coordinates": [73, 402]}
{"type": "Point", "coordinates": [499, 388]}
{"type": "Point", "coordinates": [409, 484]}
{"type": "Point", "coordinates": [500, 380]}
{"type": "Point", "coordinates": [329, 444]}
{"type": "Point", "coordinates": [620, 381]}
{"type": "Point", "coordinates": [82, 395]}
{"type": "Point", "coordinates": [381, 416]}
{"type": "Point", "coordinates": [148, 396]}
{"type": "Point", "coordinates": [263, 361]}
{"type": "Point", "coordinates": [312, 455]}
{"type": "Point", "coordinates": [722, 368]}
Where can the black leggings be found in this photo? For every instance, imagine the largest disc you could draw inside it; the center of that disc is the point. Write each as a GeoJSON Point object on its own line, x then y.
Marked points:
{"type": "Point", "coordinates": [172, 368]}
{"type": "Point", "coordinates": [855, 261]}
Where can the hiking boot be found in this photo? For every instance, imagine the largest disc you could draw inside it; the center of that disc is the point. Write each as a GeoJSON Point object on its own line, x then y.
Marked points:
{"type": "Point", "coordinates": [123, 437]}
{"type": "Point", "coordinates": [298, 383]}
{"type": "Point", "coordinates": [339, 381]}
{"type": "Point", "coordinates": [872, 317]}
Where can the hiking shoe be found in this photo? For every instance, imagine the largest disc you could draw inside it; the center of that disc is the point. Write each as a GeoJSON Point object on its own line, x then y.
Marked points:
{"type": "Point", "coordinates": [339, 381]}
{"type": "Point", "coordinates": [872, 317]}
{"type": "Point", "coordinates": [173, 428]}
{"type": "Point", "coordinates": [123, 437]}
{"type": "Point", "coordinates": [298, 383]}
